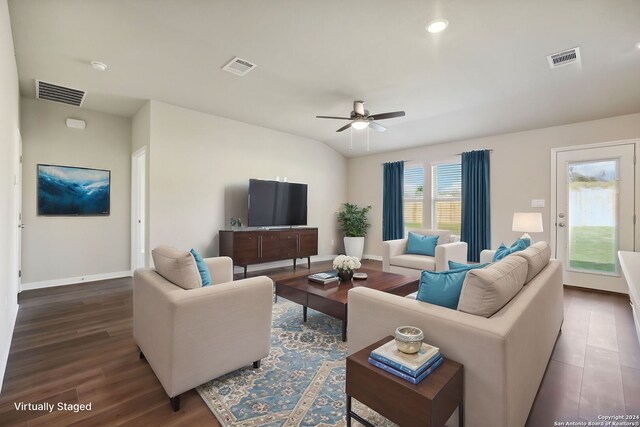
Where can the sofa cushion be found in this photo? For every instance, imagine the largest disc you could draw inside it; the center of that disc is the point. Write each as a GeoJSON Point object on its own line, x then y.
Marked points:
{"type": "Point", "coordinates": [178, 267]}
{"type": "Point", "coordinates": [417, 244]}
{"type": "Point", "coordinates": [487, 290]}
{"type": "Point", "coordinates": [203, 270]}
{"type": "Point", "coordinates": [418, 262]}
{"type": "Point", "coordinates": [441, 288]}
{"type": "Point", "coordinates": [537, 257]}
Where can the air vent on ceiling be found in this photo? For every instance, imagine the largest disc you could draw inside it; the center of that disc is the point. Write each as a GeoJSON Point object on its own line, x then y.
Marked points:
{"type": "Point", "coordinates": [56, 93]}
{"type": "Point", "coordinates": [239, 66]}
{"type": "Point", "coordinates": [565, 57]}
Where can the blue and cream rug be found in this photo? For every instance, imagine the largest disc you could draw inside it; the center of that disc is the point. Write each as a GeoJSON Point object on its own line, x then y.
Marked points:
{"type": "Point", "coordinates": [300, 383]}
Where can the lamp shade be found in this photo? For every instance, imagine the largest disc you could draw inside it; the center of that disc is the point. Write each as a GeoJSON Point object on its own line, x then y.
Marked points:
{"type": "Point", "coordinates": [527, 222]}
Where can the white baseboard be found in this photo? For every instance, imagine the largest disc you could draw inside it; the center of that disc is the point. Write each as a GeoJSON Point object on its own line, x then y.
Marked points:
{"type": "Point", "coordinates": [74, 280]}
{"type": "Point", "coordinates": [4, 357]}
{"type": "Point", "coordinates": [284, 263]}
{"type": "Point", "coordinates": [373, 257]}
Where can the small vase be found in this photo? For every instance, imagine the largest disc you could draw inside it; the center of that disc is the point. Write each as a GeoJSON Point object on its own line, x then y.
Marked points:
{"type": "Point", "coordinates": [345, 275]}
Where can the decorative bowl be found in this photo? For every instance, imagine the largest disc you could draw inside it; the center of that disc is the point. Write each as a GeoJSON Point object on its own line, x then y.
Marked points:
{"type": "Point", "coordinates": [409, 339]}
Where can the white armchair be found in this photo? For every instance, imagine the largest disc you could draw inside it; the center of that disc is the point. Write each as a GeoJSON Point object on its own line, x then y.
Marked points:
{"type": "Point", "coordinates": [190, 336]}
{"type": "Point", "coordinates": [395, 260]}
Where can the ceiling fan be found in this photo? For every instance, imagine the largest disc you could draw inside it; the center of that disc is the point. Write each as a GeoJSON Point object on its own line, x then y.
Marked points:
{"type": "Point", "coordinates": [360, 118]}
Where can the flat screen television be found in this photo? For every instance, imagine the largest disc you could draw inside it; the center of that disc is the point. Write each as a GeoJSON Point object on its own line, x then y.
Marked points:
{"type": "Point", "coordinates": [275, 203]}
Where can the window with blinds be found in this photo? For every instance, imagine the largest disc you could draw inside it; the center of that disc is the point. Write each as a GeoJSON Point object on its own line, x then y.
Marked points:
{"type": "Point", "coordinates": [446, 197]}
{"type": "Point", "coordinates": [413, 196]}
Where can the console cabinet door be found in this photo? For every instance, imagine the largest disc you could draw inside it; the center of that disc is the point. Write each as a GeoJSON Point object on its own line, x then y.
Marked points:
{"type": "Point", "coordinates": [308, 244]}
{"type": "Point", "coordinates": [245, 248]}
{"type": "Point", "coordinates": [269, 246]}
{"type": "Point", "coordinates": [289, 244]}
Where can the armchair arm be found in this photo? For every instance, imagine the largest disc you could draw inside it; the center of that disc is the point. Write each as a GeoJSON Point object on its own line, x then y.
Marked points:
{"type": "Point", "coordinates": [219, 329]}
{"type": "Point", "coordinates": [221, 269]}
{"type": "Point", "coordinates": [487, 256]}
{"type": "Point", "coordinates": [392, 248]}
{"type": "Point", "coordinates": [450, 252]}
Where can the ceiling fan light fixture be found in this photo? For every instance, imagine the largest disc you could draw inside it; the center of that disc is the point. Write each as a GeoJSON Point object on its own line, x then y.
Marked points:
{"type": "Point", "coordinates": [360, 124]}
{"type": "Point", "coordinates": [437, 25]}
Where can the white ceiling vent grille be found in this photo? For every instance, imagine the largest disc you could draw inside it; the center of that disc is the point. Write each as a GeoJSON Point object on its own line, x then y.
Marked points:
{"type": "Point", "coordinates": [565, 57]}
{"type": "Point", "coordinates": [239, 66]}
{"type": "Point", "coordinates": [56, 93]}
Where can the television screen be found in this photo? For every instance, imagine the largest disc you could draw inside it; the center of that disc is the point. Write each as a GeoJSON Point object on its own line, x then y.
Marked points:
{"type": "Point", "coordinates": [274, 203]}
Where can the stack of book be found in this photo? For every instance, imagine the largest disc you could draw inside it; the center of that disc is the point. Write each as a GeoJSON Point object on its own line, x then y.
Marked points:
{"type": "Point", "coordinates": [324, 277]}
{"type": "Point", "coordinates": [411, 367]}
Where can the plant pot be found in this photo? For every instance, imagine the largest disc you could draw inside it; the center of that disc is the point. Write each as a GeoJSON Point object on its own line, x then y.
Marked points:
{"type": "Point", "coordinates": [354, 246]}
{"type": "Point", "coordinates": [345, 275]}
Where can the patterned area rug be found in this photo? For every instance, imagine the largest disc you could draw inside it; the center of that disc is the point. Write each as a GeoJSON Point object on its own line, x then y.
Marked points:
{"type": "Point", "coordinates": [300, 383]}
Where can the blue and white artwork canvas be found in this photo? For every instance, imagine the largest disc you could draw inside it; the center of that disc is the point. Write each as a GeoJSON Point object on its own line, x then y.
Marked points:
{"type": "Point", "coordinates": [73, 191]}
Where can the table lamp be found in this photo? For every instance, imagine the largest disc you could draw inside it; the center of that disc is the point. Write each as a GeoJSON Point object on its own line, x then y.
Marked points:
{"type": "Point", "coordinates": [527, 222]}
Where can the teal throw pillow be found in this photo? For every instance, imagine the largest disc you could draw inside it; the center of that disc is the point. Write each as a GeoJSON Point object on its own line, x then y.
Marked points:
{"type": "Point", "coordinates": [417, 244]}
{"type": "Point", "coordinates": [202, 268]}
{"type": "Point", "coordinates": [503, 251]}
{"type": "Point", "coordinates": [441, 288]}
{"type": "Point", "coordinates": [460, 266]}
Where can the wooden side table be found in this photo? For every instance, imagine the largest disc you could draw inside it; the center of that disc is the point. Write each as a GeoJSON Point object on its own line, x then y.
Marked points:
{"type": "Point", "coordinates": [429, 403]}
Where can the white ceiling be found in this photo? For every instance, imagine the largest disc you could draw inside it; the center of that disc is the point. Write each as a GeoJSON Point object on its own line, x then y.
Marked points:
{"type": "Point", "coordinates": [486, 74]}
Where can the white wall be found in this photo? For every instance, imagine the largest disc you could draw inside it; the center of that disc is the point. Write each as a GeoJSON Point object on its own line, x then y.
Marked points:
{"type": "Point", "coordinates": [59, 250]}
{"type": "Point", "coordinates": [520, 171]}
{"type": "Point", "coordinates": [200, 169]}
{"type": "Point", "coordinates": [9, 123]}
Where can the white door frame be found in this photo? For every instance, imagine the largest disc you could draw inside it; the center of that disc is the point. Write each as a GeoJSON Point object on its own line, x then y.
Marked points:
{"type": "Point", "coordinates": [18, 207]}
{"type": "Point", "coordinates": [136, 202]}
{"type": "Point", "coordinates": [553, 206]}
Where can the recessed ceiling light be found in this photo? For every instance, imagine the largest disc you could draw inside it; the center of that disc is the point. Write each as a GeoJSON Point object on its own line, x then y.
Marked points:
{"type": "Point", "coordinates": [98, 66]}
{"type": "Point", "coordinates": [437, 26]}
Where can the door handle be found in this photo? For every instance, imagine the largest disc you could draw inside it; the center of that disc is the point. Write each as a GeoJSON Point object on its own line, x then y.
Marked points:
{"type": "Point", "coordinates": [561, 224]}
{"type": "Point", "coordinates": [20, 225]}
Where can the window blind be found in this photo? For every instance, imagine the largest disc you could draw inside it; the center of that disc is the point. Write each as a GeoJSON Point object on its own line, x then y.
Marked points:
{"type": "Point", "coordinates": [446, 194]}
{"type": "Point", "coordinates": [413, 196]}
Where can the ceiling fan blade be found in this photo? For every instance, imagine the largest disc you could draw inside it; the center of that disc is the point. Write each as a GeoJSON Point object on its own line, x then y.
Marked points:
{"type": "Point", "coordinates": [376, 126]}
{"type": "Point", "coordinates": [358, 107]}
{"type": "Point", "coordinates": [387, 115]}
{"type": "Point", "coordinates": [345, 127]}
{"type": "Point", "coordinates": [333, 117]}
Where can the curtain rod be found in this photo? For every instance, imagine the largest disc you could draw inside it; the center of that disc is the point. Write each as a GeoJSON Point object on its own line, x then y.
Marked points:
{"type": "Point", "coordinates": [405, 161]}
{"type": "Point", "coordinates": [484, 149]}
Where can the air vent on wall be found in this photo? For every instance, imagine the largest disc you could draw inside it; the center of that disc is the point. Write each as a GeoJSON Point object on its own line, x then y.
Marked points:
{"type": "Point", "coordinates": [239, 66]}
{"type": "Point", "coordinates": [565, 57]}
{"type": "Point", "coordinates": [56, 93]}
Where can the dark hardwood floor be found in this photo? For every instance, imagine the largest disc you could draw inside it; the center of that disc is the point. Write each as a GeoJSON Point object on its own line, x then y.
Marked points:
{"type": "Point", "coordinates": [74, 344]}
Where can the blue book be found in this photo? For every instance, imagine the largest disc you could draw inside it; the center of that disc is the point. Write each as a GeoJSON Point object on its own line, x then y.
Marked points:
{"type": "Point", "coordinates": [404, 376]}
{"type": "Point", "coordinates": [412, 364]}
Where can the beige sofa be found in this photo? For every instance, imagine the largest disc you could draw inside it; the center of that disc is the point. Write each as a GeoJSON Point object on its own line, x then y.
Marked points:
{"type": "Point", "coordinates": [504, 355]}
{"type": "Point", "coordinates": [190, 336]}
{"type": "Point", "coordinates": [395, 260]}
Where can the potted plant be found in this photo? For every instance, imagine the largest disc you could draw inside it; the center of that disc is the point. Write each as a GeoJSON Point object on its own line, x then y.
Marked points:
{"type": "Point", "coordinates": [354, 223]}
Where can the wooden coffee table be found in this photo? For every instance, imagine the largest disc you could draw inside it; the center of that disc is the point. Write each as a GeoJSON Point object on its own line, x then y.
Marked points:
{"type": "Point", "coordinates": [429, 403]}
{"type": "Point", "coordinates": [331, 299]}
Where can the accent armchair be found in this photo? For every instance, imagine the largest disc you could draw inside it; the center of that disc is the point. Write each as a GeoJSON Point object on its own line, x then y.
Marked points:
{"type": "Point", "coordinates": [190, 336]}
{"type": "Point", "coordinates": [395, 260]}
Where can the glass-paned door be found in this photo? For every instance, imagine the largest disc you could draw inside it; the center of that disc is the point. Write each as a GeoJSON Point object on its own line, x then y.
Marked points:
{"type": "Point", "coordinates": [594, 218]}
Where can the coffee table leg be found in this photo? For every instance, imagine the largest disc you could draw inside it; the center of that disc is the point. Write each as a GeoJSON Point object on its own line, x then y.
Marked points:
{"type": "Point", "coordinates": [344, 330]}
{"type": "Point", "coordinates": [304, 313]}
{"type": "Point", "coordinates": [461, 414]}
{"type": "Point", "coordinates": [348, 411]}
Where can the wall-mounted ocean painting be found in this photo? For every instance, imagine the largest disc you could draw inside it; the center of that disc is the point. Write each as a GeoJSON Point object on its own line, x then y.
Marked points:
{"type": "Point", "coordinates": [72, 191]}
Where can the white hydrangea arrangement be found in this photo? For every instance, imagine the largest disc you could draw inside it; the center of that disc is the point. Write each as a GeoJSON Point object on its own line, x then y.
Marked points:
{"type": "Point", "coordinates": [346, 263]}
